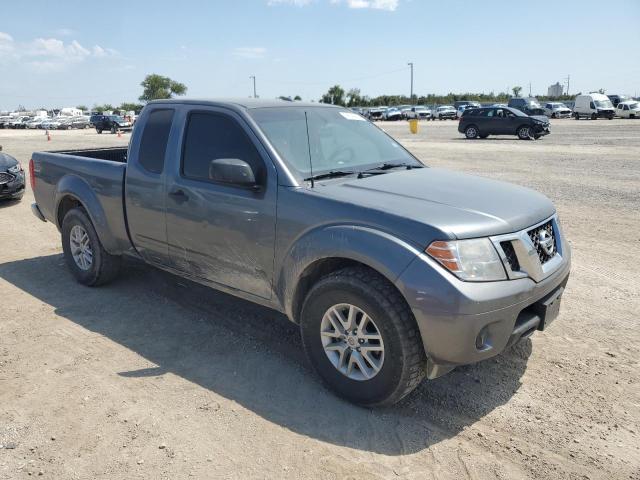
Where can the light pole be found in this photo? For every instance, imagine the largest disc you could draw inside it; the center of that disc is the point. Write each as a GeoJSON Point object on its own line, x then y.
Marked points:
{"type": "Point", "coordinates": [253, 77]}
{"type": "Point", "coordinates": [411, 65]}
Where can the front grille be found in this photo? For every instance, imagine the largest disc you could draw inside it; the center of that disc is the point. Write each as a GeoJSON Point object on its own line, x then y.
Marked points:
{"type": "Point", "coordinates": [510, 253]}
{"type": "Point", "coordinates": [544, 241]}
{"type": "Point", "coordinates": [5, 177]}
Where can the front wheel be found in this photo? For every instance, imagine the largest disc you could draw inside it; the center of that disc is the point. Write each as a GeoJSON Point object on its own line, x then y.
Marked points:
{"type": "Point", "coordinates": [361, 337]}
{"type": "Point", "coordinates": [98, 130]}
{"type": "Point", "coordinates": [594, 116]}
{"type": "Point", "coordinates": [524, 133]}
{"type": "Point", "coordinates": [88, 261]}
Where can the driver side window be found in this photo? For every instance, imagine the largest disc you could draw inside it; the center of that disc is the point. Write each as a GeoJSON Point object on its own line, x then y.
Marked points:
{"type": "Point", "coordinates": [213, 136]}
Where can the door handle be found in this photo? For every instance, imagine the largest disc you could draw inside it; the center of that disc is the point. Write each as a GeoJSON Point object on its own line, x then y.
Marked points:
{"type": "Point", "coordinates": [179, 195]}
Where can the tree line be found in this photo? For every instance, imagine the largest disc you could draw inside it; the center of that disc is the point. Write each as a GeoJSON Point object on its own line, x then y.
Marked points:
{"type": "Point", "coordinates": [337, 95]}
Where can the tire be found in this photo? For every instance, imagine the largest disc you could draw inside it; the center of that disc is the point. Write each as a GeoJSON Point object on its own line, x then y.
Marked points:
{"type": "Point", "coordinates": [113, 129]}
{"type": "Point", "coordinates": [536, 136]}
{"type": "Point", "coordinates": [594, 116]}
{"type": "Point", "coordinates": [402, 367]}
{"type": "Point", "coordinates": [103, 267]}
{"type": "Point", "coordinates": [98, 130]}
{"type": "Point", "coordinates": [471, 132]}
{"type": "Point", "coordinates": [484, 135]}
{"type": "Point", "coordinates": [523, 132]}
{"type": "Point", "coordinates": [576, 116]}
{"type": "Point", "coordinates": [553, 115]}
{"type": "Point", "coordinates": [610, 117]}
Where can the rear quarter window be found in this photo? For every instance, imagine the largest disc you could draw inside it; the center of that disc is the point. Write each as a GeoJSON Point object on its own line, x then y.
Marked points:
{"type": "Point", "coordinates": [155, 137]}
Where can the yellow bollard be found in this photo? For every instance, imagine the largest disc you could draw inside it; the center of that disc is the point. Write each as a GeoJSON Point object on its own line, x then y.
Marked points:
{"type": "Point", "coordinates": [413, 125]}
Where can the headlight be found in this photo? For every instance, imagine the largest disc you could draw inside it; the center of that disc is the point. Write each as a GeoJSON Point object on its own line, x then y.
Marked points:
{"type": "Point", "coordinates": [15, 169]}
{"type": "Point", "coordinates": [474, 260]}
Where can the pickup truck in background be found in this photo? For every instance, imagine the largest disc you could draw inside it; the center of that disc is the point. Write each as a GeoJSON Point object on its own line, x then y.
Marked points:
{"type": "Point", "coordinates": [394, 271]}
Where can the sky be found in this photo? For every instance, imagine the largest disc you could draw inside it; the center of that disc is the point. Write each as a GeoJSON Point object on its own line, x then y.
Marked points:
{"type": "Point", "coordinates": [73, 52]}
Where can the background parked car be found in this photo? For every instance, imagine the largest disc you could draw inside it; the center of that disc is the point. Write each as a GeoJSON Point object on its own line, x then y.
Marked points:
{"type": "Point", "coordinates": [593, 106]}
{"type": "Point", "coordinates": [111, 123]}
{"type": "Point", "coordinates": [11, 177]}
{"type": "Point", "coordinates": [80, 122]}
{"type": "Point", "coordinates": [460, 103]}
{"type": "Point", "coordinates": [557, 110]}
{"type": "Point", "coordinates": [628, 109]}
{"type": "Point", "coordinates": [392, 113]}
{"type": "Point", "coordinates": [616, 99]}
{"type": "Point", "coordinates": [482, 122]}
{"type": "Point", "coordinates": [35, 122]}
{"type": "Point", "coordinates": [528, 105]}
{"type": "Point", "coordinates": [444, 112]}
{"type": "Point", "coordinates": [374, 113]}
{"type": "Point", "coordinates": [19, 122]}
{"type": "Point", "coordinates": [421, 113]}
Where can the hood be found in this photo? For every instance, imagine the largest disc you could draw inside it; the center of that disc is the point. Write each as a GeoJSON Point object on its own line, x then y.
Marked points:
{"type": "Point", "coordinates": [541, 118]}
{"type": "Point", "coordinates": [6, 161]}
{"type": "Point", "coordinates": [457, 204]}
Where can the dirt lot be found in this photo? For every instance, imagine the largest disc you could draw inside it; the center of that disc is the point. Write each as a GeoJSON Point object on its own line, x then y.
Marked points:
{"type": "Point", "coordinates": [153, 377]}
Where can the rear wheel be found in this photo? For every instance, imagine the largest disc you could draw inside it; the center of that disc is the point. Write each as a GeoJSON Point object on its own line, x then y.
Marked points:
{"type": "Point", "coordinates": [360, 336]}
{"type": "Point", "coordinates": [88, 261]}
{"type": "Point", "coordinates": [471, 132]}
{"type": "Point", "coordinates": [524, 133]}
{"type": "Point", "coordinates": [576, 116]}
{"type": "Point", "coordinates": [98, 130]}
{"type": "Point", "coordinates": [594, 116]}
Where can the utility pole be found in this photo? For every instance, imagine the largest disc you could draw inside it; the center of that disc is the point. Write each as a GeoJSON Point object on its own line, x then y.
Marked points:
{"type": "Point", "coordinates": [567, 79]}
{"type": "Point", "coordinates": [529, 89]}
{"type": "Point", "coordinates": [411, 65]}
{"type": "Point", "coordinates": [253, 77]}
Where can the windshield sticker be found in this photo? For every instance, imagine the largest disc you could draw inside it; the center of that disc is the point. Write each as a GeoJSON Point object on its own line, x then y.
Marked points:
{"type": "Point", "coordinates": [352, 116]}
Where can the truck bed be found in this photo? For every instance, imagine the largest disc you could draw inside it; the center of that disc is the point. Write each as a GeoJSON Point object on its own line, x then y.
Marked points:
{"type": "Point", "coordinates": [112, 154]}
{"type": "Point", "coordinates": [95, 178]}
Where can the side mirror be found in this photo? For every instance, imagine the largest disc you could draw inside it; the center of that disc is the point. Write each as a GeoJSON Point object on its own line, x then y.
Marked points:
{"type": "Point", "coordinates": [233, 171]}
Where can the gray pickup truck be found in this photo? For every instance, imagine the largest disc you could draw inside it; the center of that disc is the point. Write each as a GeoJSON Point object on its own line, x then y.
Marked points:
{"type": "Point", "coordinates": [393, 271]}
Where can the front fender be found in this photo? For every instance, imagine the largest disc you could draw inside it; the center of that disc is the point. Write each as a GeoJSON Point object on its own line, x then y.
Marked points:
{"type": "Point", "coordinates": [79, 189]}
{"type": "Point", "coordinates": [381, 251]}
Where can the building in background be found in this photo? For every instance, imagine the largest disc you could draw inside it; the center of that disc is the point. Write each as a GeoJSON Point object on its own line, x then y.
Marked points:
{"type": "Point", "coordinates": [554, 90]}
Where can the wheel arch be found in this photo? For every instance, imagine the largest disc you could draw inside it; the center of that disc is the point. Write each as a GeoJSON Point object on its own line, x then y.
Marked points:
{"type": "Point", "coordinates": [329, 249]}
{"type": "Point", "coordinates": [73, 191]}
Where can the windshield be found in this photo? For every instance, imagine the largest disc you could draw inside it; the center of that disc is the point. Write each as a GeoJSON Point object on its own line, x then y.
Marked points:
{"type": "Point", "coordinates": [603, 104]}
{"type": "Point", "coordinates": [633, 106]}
{"type": "Point", "coordinates": [517, 112]}
{"type": "Point", "coordinates": [337, 140]}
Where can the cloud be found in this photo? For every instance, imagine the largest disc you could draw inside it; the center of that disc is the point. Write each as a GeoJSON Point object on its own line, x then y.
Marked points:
{"type": "Point", "coordinates": [388, 5]}
{"type": "Point", "coordinates": [45, 54]}
{"type": "Point", "coordinates": [250, 52]}
{"type": "Point", "coordinates": [6, 44]}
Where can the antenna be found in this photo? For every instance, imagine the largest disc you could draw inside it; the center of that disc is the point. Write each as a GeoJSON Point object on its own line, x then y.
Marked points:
{"type": "Point", "coordinates": [306, 121]}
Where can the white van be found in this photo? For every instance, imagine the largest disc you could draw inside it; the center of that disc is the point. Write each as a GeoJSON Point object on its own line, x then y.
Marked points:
{"type": "Point", "coordinates": [593, 106]}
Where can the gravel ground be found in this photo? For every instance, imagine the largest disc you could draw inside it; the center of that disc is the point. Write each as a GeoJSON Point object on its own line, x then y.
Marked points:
{"type": "Point", "coordinates": [153, 377]}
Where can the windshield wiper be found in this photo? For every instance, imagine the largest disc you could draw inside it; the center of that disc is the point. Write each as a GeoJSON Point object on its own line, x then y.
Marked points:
{"type": "Point", "coordinates": [331, 174]}
{"type": "Point", "coordinates": [389, 166]}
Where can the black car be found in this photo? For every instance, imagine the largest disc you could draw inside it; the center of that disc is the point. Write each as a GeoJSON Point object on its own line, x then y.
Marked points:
{"type": "Point", "coordinates": [616, 99]}
{"type": "Point", "coordinates": [111, 123]}
{"type": "Point", "coordinates": [11, 177]}
{"type": "Point", "coordinates": [482, 122]}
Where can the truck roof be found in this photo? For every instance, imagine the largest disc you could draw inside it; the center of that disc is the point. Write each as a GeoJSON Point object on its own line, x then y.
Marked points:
{"type": "Point", "coordinates": [248, 103]}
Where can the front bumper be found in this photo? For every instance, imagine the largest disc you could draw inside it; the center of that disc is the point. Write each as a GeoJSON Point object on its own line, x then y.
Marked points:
{"type": "Point", "coordinates": [466, 322]}
{"type": "Point", "coordinates": [14, 188]}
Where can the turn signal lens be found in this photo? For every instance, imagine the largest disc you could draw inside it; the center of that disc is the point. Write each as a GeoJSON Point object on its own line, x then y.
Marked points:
{"type": "Point", "coordinates": [474, 260]}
